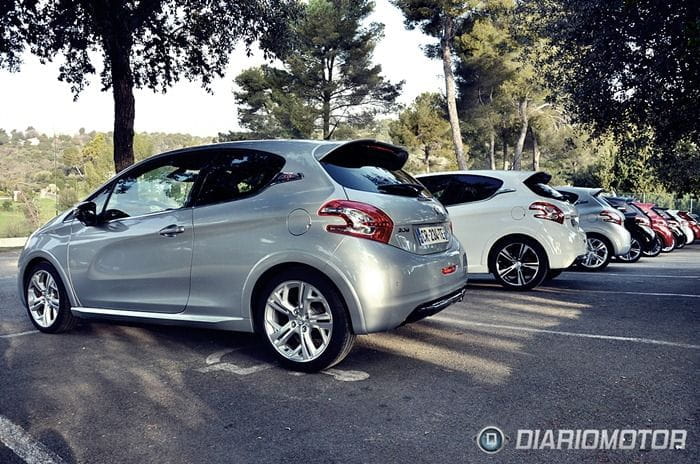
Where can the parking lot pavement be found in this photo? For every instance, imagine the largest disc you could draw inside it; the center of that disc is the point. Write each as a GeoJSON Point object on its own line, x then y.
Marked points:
{"type": "Point", "coordinates": [612, 350]}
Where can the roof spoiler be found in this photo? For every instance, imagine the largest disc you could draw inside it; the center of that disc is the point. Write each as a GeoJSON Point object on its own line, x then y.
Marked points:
{"type": "Point", "coordinates": [361, 152]}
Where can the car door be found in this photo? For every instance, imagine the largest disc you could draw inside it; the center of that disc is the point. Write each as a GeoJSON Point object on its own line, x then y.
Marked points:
{"type": "Point", "coordinates": [138, 256]}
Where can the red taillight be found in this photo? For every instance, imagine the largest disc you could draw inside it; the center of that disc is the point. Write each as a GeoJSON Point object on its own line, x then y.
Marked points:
{"type": "Point", "coordinates": [642, 220]}
{"type": "Point", "coordinates": [548, 211]}
{"type": "Point", "coordinates": [361, 220]}
{"type": "Point", "coordinates": [449, 269]}
{"type": "Point", "coordinates": [610, 216]}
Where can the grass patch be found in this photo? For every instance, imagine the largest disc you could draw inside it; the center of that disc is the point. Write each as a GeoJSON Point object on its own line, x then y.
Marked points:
{"type": "Point", "coordinates": [14, 224]}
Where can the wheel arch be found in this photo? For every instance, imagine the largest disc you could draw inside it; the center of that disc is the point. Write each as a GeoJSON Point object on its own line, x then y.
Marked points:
{"type": "Point", "coordinates": [30, 262]}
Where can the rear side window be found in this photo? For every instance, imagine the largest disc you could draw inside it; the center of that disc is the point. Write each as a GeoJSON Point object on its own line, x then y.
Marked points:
{"type": "Point", "coordinates": [462, 188]}
{"type": "Point", "coordinates": [538, 184]}
{"type": "Point", "coordinates": [569, 196]}
{"type": "Point", "coordinates": [233, 176]}
{"type": "Point", "coordinates": [372, 168]}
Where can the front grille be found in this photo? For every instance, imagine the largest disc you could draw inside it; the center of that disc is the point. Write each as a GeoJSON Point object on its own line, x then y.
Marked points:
{"type": "Point", "coordinates": [433, 307]}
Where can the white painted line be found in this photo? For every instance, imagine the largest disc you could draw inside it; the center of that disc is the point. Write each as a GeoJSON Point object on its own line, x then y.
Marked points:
{"type": "Point", "coordinates": [663, 276]}
{"type": "Point", "coordinates": [228, 367]}
{"type": "Point", "coordinates": [346, 376]}
{"type": "Point", "coordinates": [31, 451]}
{"type": "Point", "coordinates": [615, 292]}
{"type": "Point", "coordinates": [19, 334]}
{"type": "Point", "coordinates": [575, 334]}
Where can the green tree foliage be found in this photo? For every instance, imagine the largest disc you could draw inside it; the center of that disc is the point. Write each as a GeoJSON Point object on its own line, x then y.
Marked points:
{"type": "Point", "coordinates": [425, 131]}
{"type": "Point", "coordinates": [632, 67]}
{"type": "Point", "coordinates": [142, 43]}
{"type": "Point", "coordinates": [329, 81]}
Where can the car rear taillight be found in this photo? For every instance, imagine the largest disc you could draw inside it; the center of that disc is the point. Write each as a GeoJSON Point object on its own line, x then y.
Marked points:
{"type": "Point", "coordinates": [548, 211]}
{"type": "Point", "coordinates": [361, 220]}
{"type": "Point", "coordinates": [641, 220]}
{"type": "Point", "coordinates": [610, 216]}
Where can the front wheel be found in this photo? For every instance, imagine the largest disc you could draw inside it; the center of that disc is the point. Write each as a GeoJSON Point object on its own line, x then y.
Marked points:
{"type": "Point", "coordinates": [47, 300]}
{"type": "Point", "coordinates": [634, 254]}
{"type": "Point", "coordinates": [302, 319]}
{"type": "Point", "coordinates": [519, 264]}
{"type": "Point", "coordinates": [598, 253]}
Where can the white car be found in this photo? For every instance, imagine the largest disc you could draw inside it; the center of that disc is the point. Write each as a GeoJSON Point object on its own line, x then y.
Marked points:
{"type": "Point", "coordinates": [685, 226]}
{"type": "Point", "coordinates": [511, 224]}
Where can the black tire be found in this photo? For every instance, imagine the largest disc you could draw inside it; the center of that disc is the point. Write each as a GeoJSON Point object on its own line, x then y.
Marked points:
{"type": "Point", "coordinates": [655, 248]}
{"type": "Point", "coordinates": [635, 253]}
{"type": "Point", "coordinates": [671, 247]}
{"type": "Point", "coordinates": [680, 242]}
{"type": "Point", "coordinates": [554, 273]}
{"type": "Point", "coordinates": [65, 320]}
{"type": "Point", "coordinates": [342, 336]}
{"type": "Point", "coordinates": [608, 254]}
{"type": "Point", "coordinates": [497, 260]}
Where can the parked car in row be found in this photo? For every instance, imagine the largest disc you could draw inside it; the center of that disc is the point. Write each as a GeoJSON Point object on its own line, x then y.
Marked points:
{"type": "Point", "coordinates": [644, 241]}
{"type": "Point", "coordinates": [307, 243]}
{"type": "Point", "coordinates": [692, 222]}
{"type": "Point", "coordinates": [606, 236]}
{"type": "Point", "coordinates": [659, 225]}
{"type": "Point", "coordinates": [511, 223]}
{"type": "Point", "coordinates": [682, 224]}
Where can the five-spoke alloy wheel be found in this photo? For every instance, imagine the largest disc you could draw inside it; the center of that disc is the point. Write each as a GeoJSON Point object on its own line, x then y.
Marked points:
{"type": "Point", "coordinates": [634, 254]}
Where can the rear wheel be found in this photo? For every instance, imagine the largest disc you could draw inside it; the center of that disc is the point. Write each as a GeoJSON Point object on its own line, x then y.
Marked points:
{"type": "Point", "coordinates": [680, 242]}
{"type": "Point", "coordinates": [634, 254]}
{"type": "Point", "coordinates": [654, 249]}
{"type": "Point", "coordinates": [519, 263]}
{"type": "Point", "coordinates": [302, 319]}
{"type": "Point", "coordinates": [671, 247]}
{"type": "Point", "coordinates": [47, 301]}
{"type": "Point", "coordinates": [598, 253]}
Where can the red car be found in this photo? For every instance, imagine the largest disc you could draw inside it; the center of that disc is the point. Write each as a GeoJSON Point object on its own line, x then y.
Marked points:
{"type": "Point", "coordinates": [658, 225]}
{"type": "Point", "coordinates": [691, 222]}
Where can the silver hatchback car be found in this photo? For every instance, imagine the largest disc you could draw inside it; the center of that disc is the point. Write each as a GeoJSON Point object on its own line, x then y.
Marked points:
{"type": "Point", "coordinates": [606, 236]}
{"type": "Point", "coordinates": [307, 243]}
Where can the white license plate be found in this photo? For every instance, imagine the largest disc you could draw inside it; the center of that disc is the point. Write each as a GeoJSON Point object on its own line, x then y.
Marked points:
{"type": "Point", "coordinates": [431, 235]}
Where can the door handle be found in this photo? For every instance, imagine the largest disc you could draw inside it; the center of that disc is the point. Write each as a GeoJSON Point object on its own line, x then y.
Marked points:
{"type": "Point", "coordinates": [171, 230]}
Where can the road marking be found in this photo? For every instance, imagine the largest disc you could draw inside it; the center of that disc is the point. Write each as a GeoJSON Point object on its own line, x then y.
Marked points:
{"type": "Point", "coordinates": [214, 364]}
{"type": "Point", "coordinates": [19, 334]}
{"type": "Point", "coordinates": [18, 440]}
{"type": "Point", "coordinates": [649, 341]}
{"type": "Point", "coordinates": [615, 292]}
{"type": "Point", "coordinates": [663, 276]}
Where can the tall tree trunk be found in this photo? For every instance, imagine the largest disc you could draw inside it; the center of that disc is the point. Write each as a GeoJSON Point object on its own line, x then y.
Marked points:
{"type": "Point", "coordinates": [124, 108]}
{"type": "Point", "coordinates": [492, 151]}
{"type": "Point", "coordinates": [450, 92]}
{"type": "Point", "coordinates": [326, 118]}
{"type": "Point", "coordinates": [426, 159]}
{"type": "Point", "coordinates": [505, 151]}
{"type": "Point", "coordinates": [535, 150]}
{"type": "Point", "coordinates": [520, 144]}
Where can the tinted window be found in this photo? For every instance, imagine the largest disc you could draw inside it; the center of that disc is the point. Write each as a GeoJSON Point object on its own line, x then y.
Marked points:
{"type": "Point", "coordinates": [372, 169]}
{"type": "Point", "coordinates": [158, 187]}
{"type": "Point", "coordinates": [538, 184]}
{"type": "Point", "coordinates": [569, 196]}
{"type": "Point", "coordinates": [233, 176]}
{"type": "Point", "coordinates": [456, 189]}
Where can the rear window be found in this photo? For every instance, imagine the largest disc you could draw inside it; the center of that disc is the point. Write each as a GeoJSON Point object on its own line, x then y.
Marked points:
{"type": "Point", "coordinates": [538, 184]}
{"type": "Point", "coordinates": [372, 168]}
{"type": "Point", "coordinates": [569, 196]}
{"type": "Point", "coordinates": [461, 188]}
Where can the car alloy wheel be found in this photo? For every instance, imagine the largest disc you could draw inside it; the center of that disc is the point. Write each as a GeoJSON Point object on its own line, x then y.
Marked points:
{"type": "Point", "coordinates": [655, 248]}
{"type": "Point", "coordinates": [634, 254]}
{"type": "Point", "coordinates": [298, 321]}
{"type": "Point", "coordinates": [43, 298]}
{"type": "Point", "coordinates": [671, 247]}
{"type": "Point", "coordinates": [517, 264]}
{"type": "Point", "coordinates": [597, 254]}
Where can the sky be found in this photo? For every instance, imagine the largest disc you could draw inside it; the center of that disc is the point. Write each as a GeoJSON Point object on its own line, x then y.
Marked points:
{"type": "Point", "coordinates": [35, 97]}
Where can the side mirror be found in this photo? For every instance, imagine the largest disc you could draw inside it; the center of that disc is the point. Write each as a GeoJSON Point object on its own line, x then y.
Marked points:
{"type": "Point", "coordinates": [86, 213]}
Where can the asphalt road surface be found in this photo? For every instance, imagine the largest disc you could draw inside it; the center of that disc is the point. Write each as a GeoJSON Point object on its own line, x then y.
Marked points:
{"type": "Point", "coordinates": [612, 350]}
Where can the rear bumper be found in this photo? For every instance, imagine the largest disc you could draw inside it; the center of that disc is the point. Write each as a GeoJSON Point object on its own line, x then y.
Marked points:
{"type": "Point", "coordinates": [390, 284]}
{"type": "Point", "coordinates": [433, 307]}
